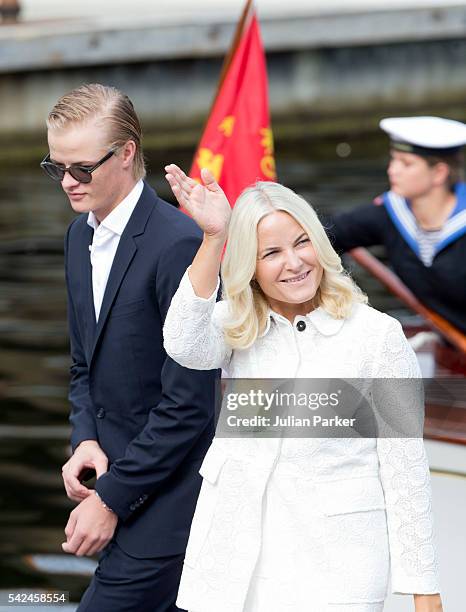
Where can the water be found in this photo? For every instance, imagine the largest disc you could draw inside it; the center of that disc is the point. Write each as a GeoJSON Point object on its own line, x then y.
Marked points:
{"type": "Point", "coordinates": [34, 348]}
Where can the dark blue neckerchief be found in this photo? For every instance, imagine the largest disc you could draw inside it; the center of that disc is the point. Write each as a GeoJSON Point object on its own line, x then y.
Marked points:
{"type": "Point", "coordinates": [399, 210]}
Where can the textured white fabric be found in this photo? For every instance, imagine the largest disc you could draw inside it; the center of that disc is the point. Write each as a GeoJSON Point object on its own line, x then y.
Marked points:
{"type": "Point", "coordinates": [105, 242]}
{"type": "Point", "coordinates": [304, 524]}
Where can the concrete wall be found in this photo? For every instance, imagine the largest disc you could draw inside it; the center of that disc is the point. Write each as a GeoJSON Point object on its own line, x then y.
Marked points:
{"type": "Point", "coordinates": [201, 10]}
{"type": "Point", "coordinates": [344, 69]}
{"type": "Point", "coordinates": [347, 82]}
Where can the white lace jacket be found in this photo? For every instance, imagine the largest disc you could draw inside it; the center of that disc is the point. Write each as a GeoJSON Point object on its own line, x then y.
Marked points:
{"type": "Point", "coordinates": [355, 474]}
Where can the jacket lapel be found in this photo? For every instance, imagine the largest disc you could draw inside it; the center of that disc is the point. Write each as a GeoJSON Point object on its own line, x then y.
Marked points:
{"type": "Point", "coordinates": [127, 248]}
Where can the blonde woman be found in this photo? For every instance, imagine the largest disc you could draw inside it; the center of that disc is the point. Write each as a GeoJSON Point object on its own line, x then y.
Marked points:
{"type": "Point", "coordinates": [294, 524]}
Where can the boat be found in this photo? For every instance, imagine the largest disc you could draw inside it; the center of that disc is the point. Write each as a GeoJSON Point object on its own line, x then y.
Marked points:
{"type": "Point", "coordinates": [441, 352]}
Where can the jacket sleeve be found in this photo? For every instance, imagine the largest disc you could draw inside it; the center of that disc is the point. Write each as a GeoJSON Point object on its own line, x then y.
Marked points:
{"type": "Point", "coordinates": [405, 476]}
{"type": "Point", "coordinates": [174, 426]}
{"type": "Point", "coordinates": [82, 417]}
{"type": "Point", "coordinates": [360, 227]}
{"type": "Point", "coordinates": [193, 334]}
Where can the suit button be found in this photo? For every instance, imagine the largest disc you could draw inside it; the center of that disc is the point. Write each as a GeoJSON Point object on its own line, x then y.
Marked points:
{"type": "Point", "coordinates": [100, 413]}
{"type": "Point", "coordinates": [132, 507]}
{"type": "Point", "coordinates": [300, 325]}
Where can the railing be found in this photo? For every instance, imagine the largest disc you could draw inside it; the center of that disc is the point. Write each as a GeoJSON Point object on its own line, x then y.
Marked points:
{"type": "Point", "coordinates": [398, 288]}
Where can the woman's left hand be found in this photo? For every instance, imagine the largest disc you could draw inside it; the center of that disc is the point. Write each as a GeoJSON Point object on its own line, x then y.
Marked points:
{"type": "Point", "coordinates": [428, 603]}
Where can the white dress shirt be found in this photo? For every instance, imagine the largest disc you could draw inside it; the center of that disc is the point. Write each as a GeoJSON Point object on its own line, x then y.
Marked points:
{"type": "Point", "coordinates": [105, 242]}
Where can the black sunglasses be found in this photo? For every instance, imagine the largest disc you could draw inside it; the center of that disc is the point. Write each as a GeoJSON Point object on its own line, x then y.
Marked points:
{"type": "Point", "coordinates": [82, 174]}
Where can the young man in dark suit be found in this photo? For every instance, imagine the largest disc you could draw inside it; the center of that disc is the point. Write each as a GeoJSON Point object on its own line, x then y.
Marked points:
{"type": "Point", "coordinates": [141, 421]}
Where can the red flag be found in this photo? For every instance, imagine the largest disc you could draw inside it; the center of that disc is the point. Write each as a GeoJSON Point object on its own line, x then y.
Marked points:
{"type": "Point", "coordinates": [237, 144]}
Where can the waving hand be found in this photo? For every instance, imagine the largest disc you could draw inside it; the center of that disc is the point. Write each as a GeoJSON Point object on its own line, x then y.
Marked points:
{"type": "Point", "coordinates": [206, 203]}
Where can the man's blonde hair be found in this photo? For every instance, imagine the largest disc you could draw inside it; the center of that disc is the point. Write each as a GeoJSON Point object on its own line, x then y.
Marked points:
{"type": "Point", "coordinates": [112, 109]}
{"type": "Point", "coordinates": [248, 306]}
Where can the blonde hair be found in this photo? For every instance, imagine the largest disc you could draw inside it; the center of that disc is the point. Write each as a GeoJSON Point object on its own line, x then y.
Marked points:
{"type": "Point", "coordinates": [113, 110]}
{"type": "Point", "coordinates": [248, 306]}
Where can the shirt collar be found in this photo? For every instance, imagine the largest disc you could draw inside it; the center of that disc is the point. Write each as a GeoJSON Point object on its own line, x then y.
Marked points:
{"type": "Point", "coordinates": [117, 220]}
{"type": "Point", "coordinates": [399, 210]}
{"type": "Point", "coordinates": [323, 322]}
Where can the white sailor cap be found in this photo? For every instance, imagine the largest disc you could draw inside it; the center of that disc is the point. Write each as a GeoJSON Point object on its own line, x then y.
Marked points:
{"type": "Point", "coordinates": [425, 135]}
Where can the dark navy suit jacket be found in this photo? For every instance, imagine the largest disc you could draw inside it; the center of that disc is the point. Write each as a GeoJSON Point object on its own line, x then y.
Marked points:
{"type": "Point", "coordinates": [153, 418]}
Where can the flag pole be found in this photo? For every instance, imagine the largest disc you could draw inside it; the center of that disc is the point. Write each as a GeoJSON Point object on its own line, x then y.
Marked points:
{"type": "Point", "coordinates": [234, 45]}
{"type": "Point", "coordinates": [248, 7]}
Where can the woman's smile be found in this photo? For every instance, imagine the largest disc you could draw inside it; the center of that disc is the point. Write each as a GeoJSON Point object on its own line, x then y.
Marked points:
{"type": "Point", "coordinates": [296, 279]}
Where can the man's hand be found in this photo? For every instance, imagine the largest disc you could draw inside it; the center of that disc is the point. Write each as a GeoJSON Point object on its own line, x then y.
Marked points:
{"type": "Point", "coordinates": [90, 527]}
{"type": "Point", "coordinates": [87, 455]}
{"type": "Point", "coordinates": [427, 603]}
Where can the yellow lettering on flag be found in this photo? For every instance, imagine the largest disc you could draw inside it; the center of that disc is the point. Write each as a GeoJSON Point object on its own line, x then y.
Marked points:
{"type": "Point", "coordinates": [267, 164]}
{"type": "Point", "coordinates": [207, 159]}
{"type": "Point", "coordinates": [227, 125]}
{"type": "Point", "coordinates": [267, 140]}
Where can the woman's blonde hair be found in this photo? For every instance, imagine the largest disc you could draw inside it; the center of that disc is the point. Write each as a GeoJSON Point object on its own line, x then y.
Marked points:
{"type": "Point", "coordinates": [113, 110]}
{"type": "Point", "coordinates": [248, 307]}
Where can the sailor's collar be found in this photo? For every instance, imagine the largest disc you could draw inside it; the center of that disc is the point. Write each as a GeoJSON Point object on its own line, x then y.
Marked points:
{"type": "Point", "coordinates": [322, 321]}
{"type": "Point", "coordinates": [399, 210]}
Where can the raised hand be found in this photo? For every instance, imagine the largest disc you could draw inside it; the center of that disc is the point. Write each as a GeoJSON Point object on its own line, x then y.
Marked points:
{"type": "Point", "coordinates": [206, 203]}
